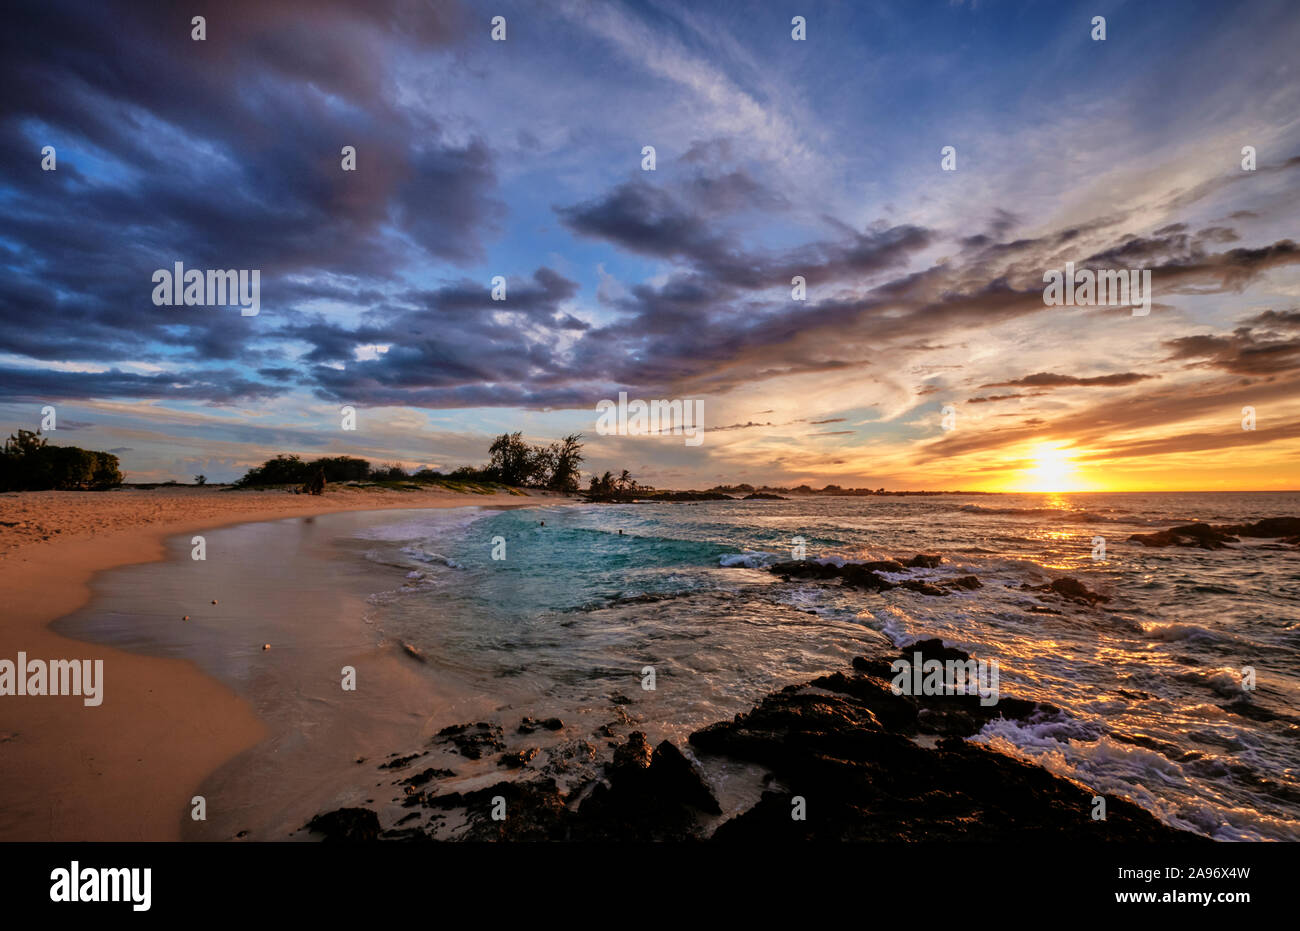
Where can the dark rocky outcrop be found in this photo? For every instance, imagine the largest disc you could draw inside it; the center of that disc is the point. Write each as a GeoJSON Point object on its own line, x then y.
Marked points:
{"type": "Point", "coordinates": [473, 740]}
{"type": "Point", "coordinates": [534, 811]}
{"type": "Point", "coordinates": [686, 496]}
{"type": "Point", "coordinates": [427, 775]}
{"type": "Point", "coordinates": [883, 565]}
{"type": "Point", "coordinates": [1202, 536]}
{"type": "Point", "coordinates": [863, 575]}
{"type": "Point", "coordinates": [569, 755]}
{"type": "Point", "coordinates": [763, 496]}
{"type": "Point", "coordinates": [398, 762]}
{"type": "Point", "coordinates": [852, 575]}
{"type": "Point", "coordinates": [924, 588]}
{"type": "Point", "coordinates": [518, 759]}
{"type": "Point", "coordinates": [859, 762]}
{"type": "Point", "coordinates": [648, 794]}
{"type": "Point", "coordinates": [847, 761]}
{"type": "Point", "coordinates": [1217, 537]}
{"type": "Point", "coordinates": [641, 496]}
{"type": "Point", "coordinates": [1070, 589]}
{"type": "Point", "coordinates": [1268, 527]}
{"type": "Point", "coordinates": [346, 824]}
{"type": "Point", "coordinates": [529, 725]}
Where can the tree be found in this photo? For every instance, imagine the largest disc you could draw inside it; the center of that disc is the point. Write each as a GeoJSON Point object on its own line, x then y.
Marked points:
{"type": "Point", "coordinates": [564, 458]}
{"type": "Point", "coordinates": [623, 488]}
{"type": "Point", "coordinates": [282, 470]}
{"type": "Point", "coordinates": [603, 485]}
{"type": "Point", "coordinates": [106, 474]}
{"type": "Point", "coordinates": [543, 464]}
{"type": "Point", "coordinates": [340, 468]}
{"type": "Point", "coordinates": [200, 480]}
{"type": "Point", "coordinates": [513, 462]}
{"type": "Point", "coordinates": [26, 443]}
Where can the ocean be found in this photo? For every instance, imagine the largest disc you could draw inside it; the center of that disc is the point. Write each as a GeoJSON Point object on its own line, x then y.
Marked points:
{"type": "Point", "coordinates": [593, 602]}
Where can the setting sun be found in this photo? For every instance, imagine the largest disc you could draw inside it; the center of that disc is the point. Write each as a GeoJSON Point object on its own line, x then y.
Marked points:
{"type": "Point", "coordinates": [1053, 470]}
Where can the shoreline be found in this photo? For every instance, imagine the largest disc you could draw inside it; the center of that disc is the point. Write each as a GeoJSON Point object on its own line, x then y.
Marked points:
{"type": "Point", "coordinates": [77, 773]}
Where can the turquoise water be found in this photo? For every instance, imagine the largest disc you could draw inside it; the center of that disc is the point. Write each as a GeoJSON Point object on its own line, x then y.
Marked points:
{"type": "Point", "coordinates": [575, 613]}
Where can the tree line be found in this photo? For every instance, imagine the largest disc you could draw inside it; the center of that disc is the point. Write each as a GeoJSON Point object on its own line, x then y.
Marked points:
{"type": "Point", "coordinates": [29, 463]}
{"type": "Point", "coordinates": [511, 461]}
{"type": "Point", "coordinates": [609, 488]}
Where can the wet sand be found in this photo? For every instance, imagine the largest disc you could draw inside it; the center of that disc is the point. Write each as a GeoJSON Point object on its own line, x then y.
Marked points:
{"type": "Point", "coordinates": [127, 769]}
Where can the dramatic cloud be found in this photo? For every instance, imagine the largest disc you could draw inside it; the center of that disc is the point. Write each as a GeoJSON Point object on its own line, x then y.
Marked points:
{"type": "Point", "coordinates": [1265, 344]}
{"type": "Point", "coordinates": [219, 154]}
{"type": "Point", "coordinates": [1047, 380]}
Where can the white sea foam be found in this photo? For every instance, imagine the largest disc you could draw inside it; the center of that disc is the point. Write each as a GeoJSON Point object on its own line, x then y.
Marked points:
{"type": "Point", "coordinates": [423, 555]}
{"type": "Point", "coordinates": [1113, 767]}
{"type": "Point", "coordinates": [1226, 682]}
{"type": "Point", "coordinates": [430, 523]}
{"type": "Point", "coordinates": [1171, 632]}
{"type": "Point", "coordinates": [749, 559]}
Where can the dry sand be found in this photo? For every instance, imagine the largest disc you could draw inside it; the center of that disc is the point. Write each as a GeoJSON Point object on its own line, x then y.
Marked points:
{"type": "Point", "coordinates": [69, 772]}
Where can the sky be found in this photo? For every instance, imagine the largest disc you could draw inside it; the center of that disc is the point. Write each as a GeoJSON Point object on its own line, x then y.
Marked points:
{"type": "Point", "coordinates": [923, 355]}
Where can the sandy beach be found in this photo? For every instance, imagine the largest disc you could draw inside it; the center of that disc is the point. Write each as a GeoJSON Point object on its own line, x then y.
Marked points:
{"type": "Point", "coordinates": [72, 772]}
